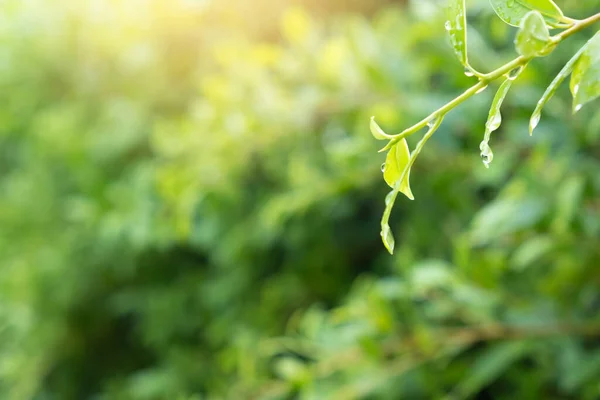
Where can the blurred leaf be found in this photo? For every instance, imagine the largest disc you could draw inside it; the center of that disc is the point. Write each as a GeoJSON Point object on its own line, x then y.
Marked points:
{"type": "Point", "coordinates": [585, 80]}
{"type": "Point", "coordinates": [506, 216]}
{"type": "Point", "coordinates": [488, 366]}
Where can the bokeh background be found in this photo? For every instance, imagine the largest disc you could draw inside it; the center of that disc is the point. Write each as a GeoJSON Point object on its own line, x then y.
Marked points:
{"type": "Point", "coordinates": [190, 202]}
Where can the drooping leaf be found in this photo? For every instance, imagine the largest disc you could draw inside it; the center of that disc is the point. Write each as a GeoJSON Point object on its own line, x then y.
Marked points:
{"type": "Point", "coordinates": [404, 161]}
{"type": "Point", "coordinates": [552, 88]}
{"type": "Point", "coordinates": [396, 162]}
{"type": "Point", "coordinates": [585, 81]}
{"type": "Point", "coordinates": [513, 11]}
{"type": "Point", "coordinates": [388, 238]}
{"type": "Point", "coordinates": [533, 37]}
{"type": "Point", "coordinates": [495, 118]}
{"type": "Point", "coordinates": [489, 366]}
{"type": "Point", "coordinates": [377, 132]}
{"type": "Point", "coordinates": [456, 25]}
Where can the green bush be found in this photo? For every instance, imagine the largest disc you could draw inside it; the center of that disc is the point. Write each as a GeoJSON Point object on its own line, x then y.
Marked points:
{"type": "Point", "coordinates": [188, 211]}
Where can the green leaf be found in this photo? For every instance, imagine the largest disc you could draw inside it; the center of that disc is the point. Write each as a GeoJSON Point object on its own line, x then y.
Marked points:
{"type": "Point", "coordinates": [456, 25]}
{"type": "Point", "coordinates": [513, 11]}
{"type": "Point", "coordinates": [495, 117]}
{"type": "Point", "coordinates": [377, 132]}
{"type": "Point", "coordinates": [585, 81]}
{"type": "Point", "coordinates": [554, 85]}
{"type": "Point", "coordinates": [388, 238]}
{"type": "Point", "coordinates": [533, 37]}
{"type": "Point", "coordinates": [490, 365]}
{"type": "Point", "coordinates": [396, 162]}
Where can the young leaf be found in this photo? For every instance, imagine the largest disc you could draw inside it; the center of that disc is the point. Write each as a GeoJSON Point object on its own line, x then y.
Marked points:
{"type": "Point", "coordinates": [396, 162]}
{"type": "Point", "coordinates": [513, 11]}
{"type": "Point", "coordinates": [495, 118]}
{"type": "Point", "coordinates": [377, 132]}
{"type": "Point", "coordinates": [390, 199]}
{"type": "Point", "coordinates": [457, 30]}
{"type": "Point", "coordinates": [562, 75]}
{"type": "Point", "coordinates": [585, 81]}
{"type": "Point", "coordinates": [388, 238]}
{"type": "Point", "coordinates": [533, 37]}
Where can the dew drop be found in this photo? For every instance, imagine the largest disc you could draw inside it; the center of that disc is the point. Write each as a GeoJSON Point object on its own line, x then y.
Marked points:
{"type": "Point", "coordinates": [383, 167]}
{"type": "Point", "coordinates": [514, 73]}
{"type": "Point", "coordinates": [494, 123]}
{"type": "Point", "coordinates": [448, 25]}
{"type": "Point", "coordinates": [432, 122]}
{"type": "Point", "coordinates": [481, 89]}
{"type": "Point", "coordinates": [469, 72]}
{"type": "Point", "coordinates": [486, 154]}
{"type": "Point", "coordinates": [578, 107]}
{"type": "Point", "coordinates": [576, 89]}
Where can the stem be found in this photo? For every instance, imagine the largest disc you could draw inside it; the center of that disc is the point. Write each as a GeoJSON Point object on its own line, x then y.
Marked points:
{"type": "Point", "coordinates": [485, 79]}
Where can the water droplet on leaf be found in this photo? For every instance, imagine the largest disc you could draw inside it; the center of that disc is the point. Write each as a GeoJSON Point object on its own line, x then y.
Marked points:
{"type": "Point", "coordinates": [514, 73]}
{"type": "Point", "coordinates": [469, 72]}
{"type": "Point", "coordinates": [481, 89]}
{"type": "Point", "coordinates": [383, 167]}
{"type": "Point", "coordinates": [486, 154]}
{"type": "Point", "coordinates": [577, 107]}
{"type": "Point", "coordinates": [494, 123]}
{"type": "Point", "coordinates": [533, 122]}
{"type": "Point", "coordinates": [448, 25]}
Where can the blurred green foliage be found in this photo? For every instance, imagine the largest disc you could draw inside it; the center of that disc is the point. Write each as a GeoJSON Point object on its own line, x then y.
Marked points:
{"type": "Point", "coordinates": [190, 209]}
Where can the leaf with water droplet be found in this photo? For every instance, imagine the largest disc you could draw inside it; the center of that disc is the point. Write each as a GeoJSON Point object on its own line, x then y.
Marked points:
{"type": "Point", "coordinates": [487, 156]}
{"type": "Point", "coordinates": [585, 81]}
{"type": "Point", "coordinates": [396, 162]}
{"type": "Point", "coordinates": [533, 37]}
{"type": "Point", "coordinates": [456, 26]}
{"type": "Point", "coordinates": [513, 11]}
{"type": "Point", "coordinates": [377, 132]}
{"type": "Point", "coordinates": [552, 88]}
{"type": "Point", "coordinates": [494, 120]}
{"type": "Point", "coordinates": [402, 179]}
{"type": "Point", "coordinates": [515, 72]}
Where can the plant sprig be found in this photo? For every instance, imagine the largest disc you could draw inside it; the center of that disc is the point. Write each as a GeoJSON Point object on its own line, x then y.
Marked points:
{"type": "Point", "coordinates": [534, 19]}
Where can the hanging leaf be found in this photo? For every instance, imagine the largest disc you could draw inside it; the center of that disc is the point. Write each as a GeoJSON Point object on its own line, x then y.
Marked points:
{"type": "Point", "coordinates": [456, 25]}
{"type": "Point", "coordinates": [400, 159]}
{"type": "Point", "coordinates": [495, 118]}
{"type": "Point", "coordinates": [533, 37]}
{"type": "Point", "coordinates": [396, 162]}
{"type": "Point", "coordinates": [585, 81]}
{"type": "Point", "coordinates": [388, 238]}
{"type": "Point", "coordinates": [377, 132]}
{"type": "Point", "coordinates": [513, 11]}
{"type": "Point", "coordinates": [562, 75]}
{"type": "Point", "coordinates": [489, 365]}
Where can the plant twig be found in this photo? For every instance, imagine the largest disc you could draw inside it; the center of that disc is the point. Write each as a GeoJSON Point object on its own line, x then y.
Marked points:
{"type": "Point", "coordinates": [485, 79]}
